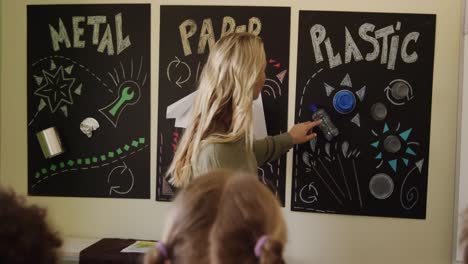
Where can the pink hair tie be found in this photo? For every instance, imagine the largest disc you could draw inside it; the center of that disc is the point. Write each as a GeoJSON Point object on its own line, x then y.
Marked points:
{"type": "Point", "coordinates": [163, 249]}
{"type": "Point", "coordinates": [260, 243]}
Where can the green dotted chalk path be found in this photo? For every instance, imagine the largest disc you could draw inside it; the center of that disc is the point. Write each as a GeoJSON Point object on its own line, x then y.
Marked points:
{"type": "Point", "coordinates": [92, 162]}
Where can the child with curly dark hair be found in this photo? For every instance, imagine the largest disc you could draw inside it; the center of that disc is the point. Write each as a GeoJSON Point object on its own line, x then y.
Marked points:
{"type": "Point", "coordinates": [25, 236]}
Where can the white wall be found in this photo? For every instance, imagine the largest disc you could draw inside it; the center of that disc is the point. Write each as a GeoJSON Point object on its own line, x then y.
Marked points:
{"type": "Point", "coordinates": [314, 238]}
{"type": "Point", "coordinates": [462, 202]}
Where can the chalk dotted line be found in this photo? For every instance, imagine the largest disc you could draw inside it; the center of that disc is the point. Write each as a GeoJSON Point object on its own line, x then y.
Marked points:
{"type": "Point", "coordinates": [34, 117]}
{"type": "Point", "coordinates": [296, 173]}
{"type": "Point", "coordinates": [76, 63]}
{"type": "Point", "coordinates": [85, 168]}
{"type": "Point", "coordinates": [304, 89]}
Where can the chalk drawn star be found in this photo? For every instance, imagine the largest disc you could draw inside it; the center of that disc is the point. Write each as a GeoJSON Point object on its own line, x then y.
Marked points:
{"type": "Point", "coordinates": [399, 146]}
{"type": "Point", "coordinates": [56, 89]}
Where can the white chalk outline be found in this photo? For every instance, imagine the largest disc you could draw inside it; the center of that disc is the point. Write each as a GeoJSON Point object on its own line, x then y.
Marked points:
{"type": "Point", "coordinates": [413, 191]}
{"type": "Point", "coordinates": [68, 100]}
{"type": "Point", "coordinates": [314, 198]}
{"type": "Point", "coordinates": [357, 182]}
{"type": "Point", "coordinates": [115, 187]}
{"type": "Point", "coordinates": [331, 177]}
{"type": "Point", "coordinates": [271, 87]}
{"type": "Point", "coordinates": [178, 61]}
{"type": "Point", "coordinates": [76, 63]}
{"type": "Point", "coordinates": [102, 110]}
{"type": "Point", "coordinates": [409, 97]}
{"type": "Point", "coordinates": [344, 176]}
{"type": "Point", "coordinates": [328, 186]}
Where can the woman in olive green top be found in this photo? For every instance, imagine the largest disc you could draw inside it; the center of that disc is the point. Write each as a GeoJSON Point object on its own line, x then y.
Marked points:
{"type": "Point", "coordinates": [220, 134]}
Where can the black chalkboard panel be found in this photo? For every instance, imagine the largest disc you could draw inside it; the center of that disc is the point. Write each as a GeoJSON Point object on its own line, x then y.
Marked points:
{"type": "Point", "coordinates": [372, 74]}
{"type": "Point", "coordinates": [90, 61]}
{"type": "Point", "coordinates": [185, 36]}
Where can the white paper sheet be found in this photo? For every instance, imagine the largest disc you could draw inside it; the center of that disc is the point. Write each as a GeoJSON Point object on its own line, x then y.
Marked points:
{"type": "Point", "coordinates": [139, 247]}
{"type": "Point", "coordinates": [182, 109]}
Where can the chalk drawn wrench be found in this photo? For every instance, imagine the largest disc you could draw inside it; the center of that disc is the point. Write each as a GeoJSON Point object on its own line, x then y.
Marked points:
{"type": "Point", "coordinates": [129, 94]}
{"type": "Point", "coordinates": [125, 171]}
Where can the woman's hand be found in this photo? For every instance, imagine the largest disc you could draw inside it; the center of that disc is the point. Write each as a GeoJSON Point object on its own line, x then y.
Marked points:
{"type": "Point", "coordinates": [302, 132]}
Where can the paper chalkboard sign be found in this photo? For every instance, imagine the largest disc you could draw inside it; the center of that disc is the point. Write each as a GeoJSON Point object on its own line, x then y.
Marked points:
{"type": "Point", "coordinates": [371, 73]}
{"type": "Point", "coordinates": [186, 35]}
{"type": "Point", "coordinates": [89, 80]}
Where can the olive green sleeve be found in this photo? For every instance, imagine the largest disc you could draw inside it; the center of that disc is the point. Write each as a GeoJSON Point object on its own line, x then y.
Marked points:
{"type": "Point", "coordinates": [224, 156]}
{"type": "Point", "coordinates": [271, 148]}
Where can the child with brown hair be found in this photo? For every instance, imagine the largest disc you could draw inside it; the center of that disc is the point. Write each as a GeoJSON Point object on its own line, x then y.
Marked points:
{"type": "Point", "coordinates": [223, 217]}
{"type": "Point", "coordinates": [25, 235]}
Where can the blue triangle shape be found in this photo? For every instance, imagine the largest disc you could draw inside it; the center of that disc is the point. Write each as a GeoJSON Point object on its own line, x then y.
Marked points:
{"type": "Point", "coordinates": [406, 161]}
{"type": "Point", "coordinates": [385, 128]}
{"type": "Point", "coordinates": [393, 164]}
{"type": "Point", "coordinates": [375, 144]}
{"type": "Point", "coordinates": [379, 156]}
{"type": "Point", "coordinates": [410, 151]}
{"type": "Point", "coordinates": [405, 135]}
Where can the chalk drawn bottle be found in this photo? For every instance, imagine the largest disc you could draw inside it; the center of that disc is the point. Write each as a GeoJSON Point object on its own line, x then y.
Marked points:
{"type": "Point", "coordinates": [327, 127]}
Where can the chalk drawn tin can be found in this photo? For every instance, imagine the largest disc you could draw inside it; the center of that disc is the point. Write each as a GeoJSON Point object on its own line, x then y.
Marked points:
{"type": "Point", "coordinates": [50, 143]}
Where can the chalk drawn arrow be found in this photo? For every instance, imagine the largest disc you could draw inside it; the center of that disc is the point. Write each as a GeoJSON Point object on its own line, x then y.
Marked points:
{"type": "Point", "coordinates": [412, 195]}
{"type": "Point", "coordinates": [409, 96]}
{"type": "Point", "coordinates": [120, 170]}
{"type": "Point", "coordinates": [312, 193]}
{"type": "Point", "coordinates": [175, 64]}
{"type": "Point", "coordinates": [387, 93]}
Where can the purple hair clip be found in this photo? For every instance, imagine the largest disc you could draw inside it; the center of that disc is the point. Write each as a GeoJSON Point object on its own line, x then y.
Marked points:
{"type": "Point", "coordinates": [260, 243]}
{"type": "Point", "coordinates": [163, 249]}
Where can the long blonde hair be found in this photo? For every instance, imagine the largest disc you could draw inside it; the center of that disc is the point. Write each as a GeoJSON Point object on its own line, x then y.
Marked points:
{"type": "Point", "coordinates": [226, 91]}
{"type": "Point", "coordinates": [218, 219]}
